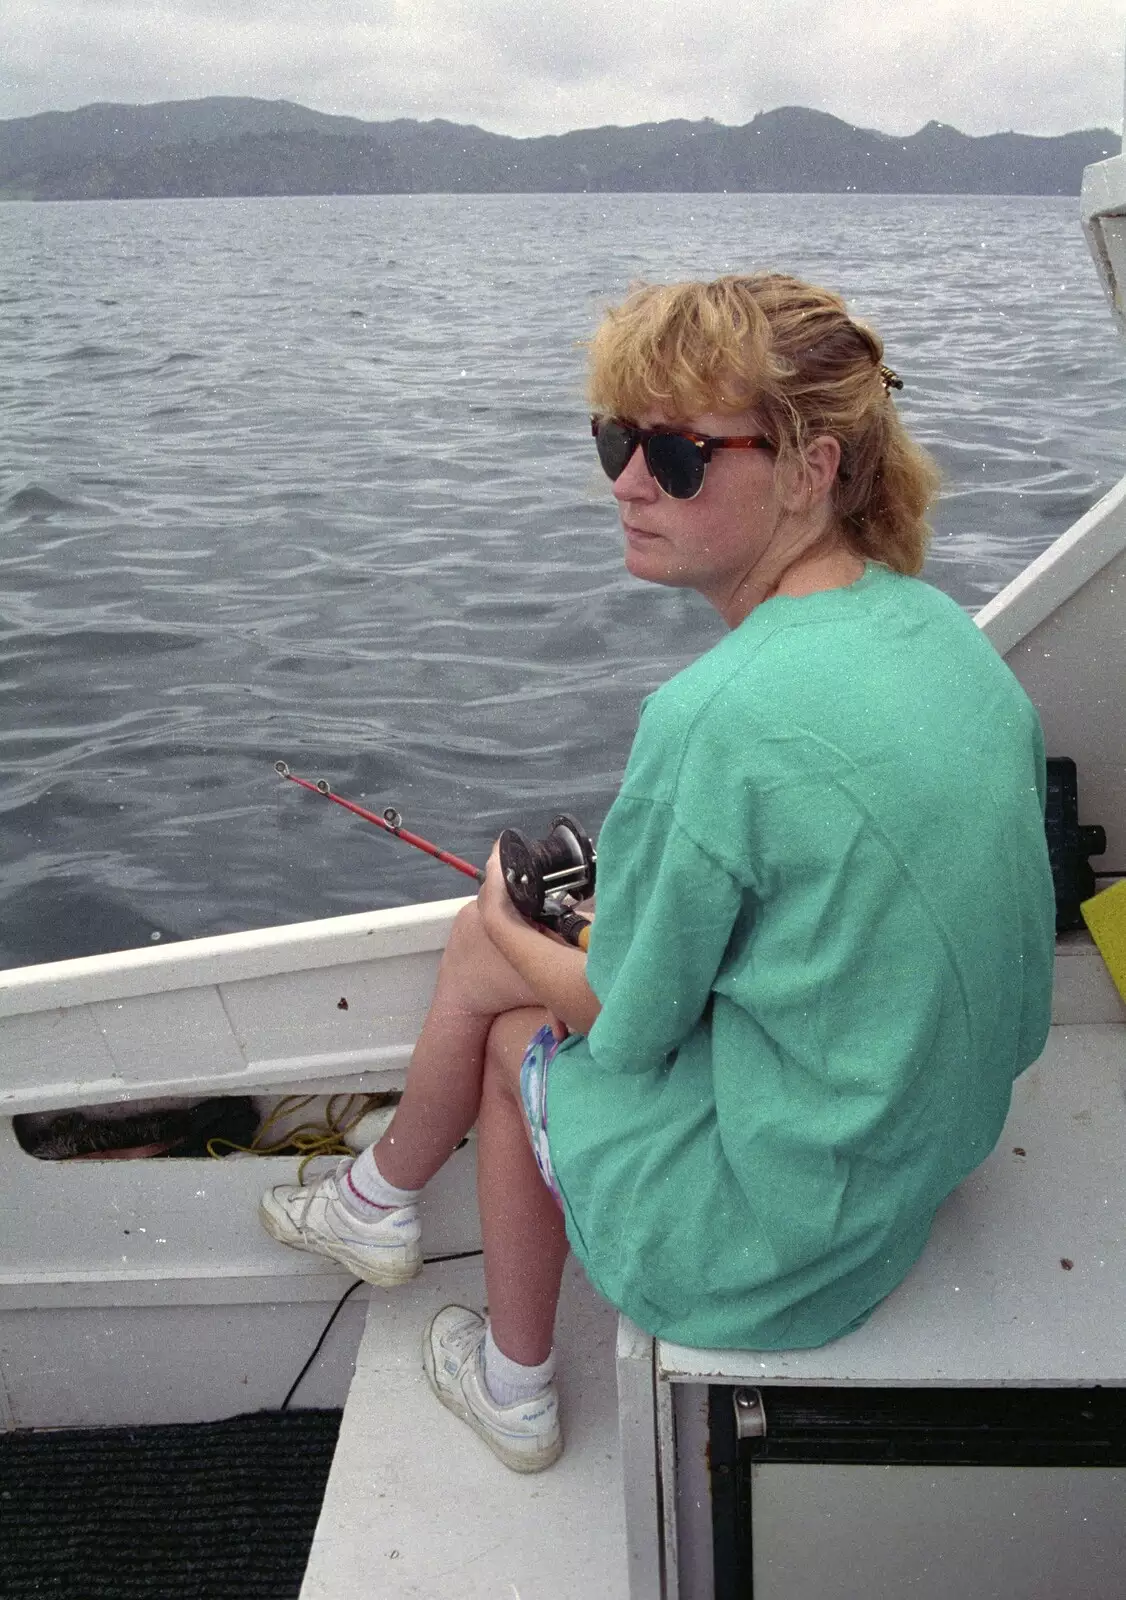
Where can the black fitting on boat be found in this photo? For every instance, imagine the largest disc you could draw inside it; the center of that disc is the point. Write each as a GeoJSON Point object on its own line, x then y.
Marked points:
{"type": "Point", "coordinates": [1069, 844]}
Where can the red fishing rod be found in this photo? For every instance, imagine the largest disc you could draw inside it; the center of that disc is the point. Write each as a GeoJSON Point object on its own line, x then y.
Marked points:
{"type": "Point", "coordinates": [390, 822]}
{"type": "Point", "coordinates": [546, 878]}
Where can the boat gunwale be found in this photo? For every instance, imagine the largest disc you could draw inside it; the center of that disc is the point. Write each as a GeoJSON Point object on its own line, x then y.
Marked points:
{"type": "Point", "coordinates": [417, 929]}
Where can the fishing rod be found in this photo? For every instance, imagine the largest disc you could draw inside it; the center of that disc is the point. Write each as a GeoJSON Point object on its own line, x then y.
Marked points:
{"type": "Point", "coordinates": [546, 878]}
{"type": "Point", "coordinates": [391, 822]}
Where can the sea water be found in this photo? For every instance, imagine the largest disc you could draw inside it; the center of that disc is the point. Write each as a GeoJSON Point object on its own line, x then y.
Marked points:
{"type": "Point", "coordinates": [311, 479]}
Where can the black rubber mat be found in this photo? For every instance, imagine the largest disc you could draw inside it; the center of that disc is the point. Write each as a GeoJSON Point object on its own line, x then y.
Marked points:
{"type": "Point", "coordinates": [196, 1511]}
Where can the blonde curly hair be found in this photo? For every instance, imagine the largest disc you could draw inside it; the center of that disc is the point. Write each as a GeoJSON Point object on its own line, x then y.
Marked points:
{"type": "Point", "coordinates": [791, 353]}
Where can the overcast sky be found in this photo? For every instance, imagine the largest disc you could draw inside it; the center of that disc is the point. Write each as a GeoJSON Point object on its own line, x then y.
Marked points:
{"type": "Point", "coordinates": [520, 67]}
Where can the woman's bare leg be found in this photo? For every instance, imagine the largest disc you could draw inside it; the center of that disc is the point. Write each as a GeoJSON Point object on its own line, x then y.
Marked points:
{"type": "Point", "coordinates": [443, 1089]}
{"type": "Point", "coordinates": [521, 1225]}
{"type": "Point", "coordinates": [465, 1069]}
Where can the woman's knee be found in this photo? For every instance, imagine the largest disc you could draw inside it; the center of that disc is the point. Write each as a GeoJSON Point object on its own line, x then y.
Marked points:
{"type": "Point", "coordinates": [473, 971]}
{"type": "Point", "coordinates": [466, 933]}
{"type": "Point", "coordinates": [468, 951]}
{"type": "Point", "coordinates": [507, 1044]}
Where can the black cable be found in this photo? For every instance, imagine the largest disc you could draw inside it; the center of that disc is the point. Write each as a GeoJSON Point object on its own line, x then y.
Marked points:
{"type": "Point", "coordinates": [460, 1255]}
{"type": "Point", "coordinates": [316, 1348]}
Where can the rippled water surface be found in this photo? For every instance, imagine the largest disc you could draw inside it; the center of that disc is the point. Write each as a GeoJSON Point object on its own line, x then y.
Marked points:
{"type": "Point", "coordinates": [311, 479]}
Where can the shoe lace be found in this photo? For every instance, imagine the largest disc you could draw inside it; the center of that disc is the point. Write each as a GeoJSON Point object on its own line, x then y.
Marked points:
{"type": "Point", "coordinates": [464, 1335]}
{"type": "Point", "coordinates": [314, 1190]}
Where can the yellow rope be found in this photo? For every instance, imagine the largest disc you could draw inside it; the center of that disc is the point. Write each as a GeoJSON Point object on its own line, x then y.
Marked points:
{"type": "Point", "coordinates": [308, 1139]}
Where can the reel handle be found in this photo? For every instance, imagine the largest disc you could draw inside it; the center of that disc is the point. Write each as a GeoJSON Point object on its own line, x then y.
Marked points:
{"type": "Point", "coordinates": [574, 928]}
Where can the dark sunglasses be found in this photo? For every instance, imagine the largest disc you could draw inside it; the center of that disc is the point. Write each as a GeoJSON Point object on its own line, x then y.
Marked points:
{"type": "Point", "coordinates": [676, 458]}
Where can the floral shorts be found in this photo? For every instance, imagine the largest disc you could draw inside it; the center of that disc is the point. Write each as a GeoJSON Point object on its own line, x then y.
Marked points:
{"type": "Point", "coordinates": [533, 1092]}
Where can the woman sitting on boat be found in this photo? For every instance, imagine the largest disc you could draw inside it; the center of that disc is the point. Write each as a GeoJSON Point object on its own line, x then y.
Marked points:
{"type": "Point", "coordinates": [825, 925]}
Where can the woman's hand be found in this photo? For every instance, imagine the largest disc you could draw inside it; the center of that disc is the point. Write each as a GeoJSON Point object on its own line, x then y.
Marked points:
{"type": "Point", "coordinates": [551, 967]}
{"type": "Point", "coordinates": [494, 901]}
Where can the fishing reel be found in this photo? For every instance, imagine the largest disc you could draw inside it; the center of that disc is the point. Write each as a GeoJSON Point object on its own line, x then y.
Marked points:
{"type": "Point", "coordinates": [546, 878]}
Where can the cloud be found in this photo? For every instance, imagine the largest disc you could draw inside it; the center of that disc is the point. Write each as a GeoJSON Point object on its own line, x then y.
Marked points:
{"type": "Point", "coordinates": [525, 68]}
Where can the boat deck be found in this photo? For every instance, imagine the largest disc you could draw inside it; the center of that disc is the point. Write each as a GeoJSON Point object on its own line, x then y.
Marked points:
{"type": "Point", "coordinates": [417, 1507]}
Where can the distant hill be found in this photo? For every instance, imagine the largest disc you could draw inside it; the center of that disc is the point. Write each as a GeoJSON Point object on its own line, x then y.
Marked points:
{"type": "Point", "coordinates": [224, 146]}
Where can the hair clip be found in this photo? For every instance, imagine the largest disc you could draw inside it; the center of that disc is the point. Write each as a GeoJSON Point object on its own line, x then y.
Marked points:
{"type": "Point", "coordinates": [890, 380]}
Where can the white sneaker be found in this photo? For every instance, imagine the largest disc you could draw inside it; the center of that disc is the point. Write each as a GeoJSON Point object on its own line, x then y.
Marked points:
{"type": "Point", "coordinates": [526, 1436]}
{"type": "Point", "coordinates": [311, 1216]}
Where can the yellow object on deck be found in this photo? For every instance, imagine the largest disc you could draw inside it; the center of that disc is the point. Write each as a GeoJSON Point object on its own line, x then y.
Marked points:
{"type": "Point", "coordinates": [1105, 915]}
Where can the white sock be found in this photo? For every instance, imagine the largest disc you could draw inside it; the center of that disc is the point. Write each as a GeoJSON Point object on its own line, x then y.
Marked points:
{"type": "Point", "coordinates": [365, 1192]}
{"type": "Point", "coordinates": [507, 1381]}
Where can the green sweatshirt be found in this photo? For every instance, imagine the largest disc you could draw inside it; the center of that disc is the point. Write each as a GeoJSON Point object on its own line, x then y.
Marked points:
{"type": "Point", "coordinates": [823, 949]}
